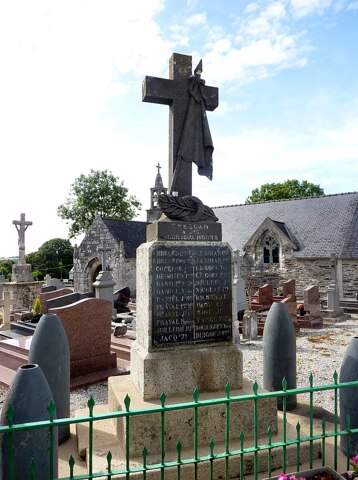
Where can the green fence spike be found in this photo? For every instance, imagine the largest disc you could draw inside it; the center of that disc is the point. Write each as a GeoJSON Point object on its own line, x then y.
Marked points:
{"type": "Point", "coordinates": [178, 447]}
{"type": "Point", "coordinates": [211, 447]}
{"type": "Point", "coordinates": [348, 419]}
{"type": "Point", "coordinates": [196, 395]}
{"type": "Point", "coordinates": [335, 377]}
{"type": "Point", "coordinates": [284, 384]}
{"type": "Point", "coordinates": [51, 408]}
{"type": "Point", "coordinates": [71, 464]}
{"type": "Point", "coordinates": [323, 424]}
{"type": "Point", "coordinates": [298, 428]}
{"type": "Point", "coordinates": [127, 402]}
{"type": "Point", "coordinates": [310, 378]}
{"type": "Point", "coordinates": [255, 388]}
{"type": "Point", "coordinates": [269, 434]}
{"type": "Point", "coordinates": [241, 436]}
{"type": "Point", "coordinates": [162, 397]}
{"type": "Point", "coordinates": [10, 412]}
{"type": "Point", "coordinates": [90, 404]}
{"type": "Point", "coordinates": [109, 460]}
{"type": "Point", "coordinates": [227, 390]}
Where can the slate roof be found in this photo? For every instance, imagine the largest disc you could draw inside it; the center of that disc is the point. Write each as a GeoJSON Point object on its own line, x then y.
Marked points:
{"type": "Point", "coordinates": [319, 226]}
{"type": "Point", "coordinates": [132, 233]}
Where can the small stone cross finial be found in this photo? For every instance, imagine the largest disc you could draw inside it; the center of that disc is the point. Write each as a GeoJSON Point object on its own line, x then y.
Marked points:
{"type": "Point", "coordinates": [158, 167]}
{"type": "Point", "coordinates": [21, 227]}
{"type": "Point", "coordinates": [102, 248]}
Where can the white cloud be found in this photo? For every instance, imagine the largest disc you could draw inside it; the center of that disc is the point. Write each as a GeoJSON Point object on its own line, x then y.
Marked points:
{"type": "Point", "coordinates": [302, 8]}
{"type": "Point", "coordinates": [352, 6]}
{"type": "Point", "coordinates": [197, 19]}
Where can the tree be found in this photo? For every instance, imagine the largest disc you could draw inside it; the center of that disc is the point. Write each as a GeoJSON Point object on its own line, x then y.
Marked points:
{"type": "Point", "coordinates": [287, 189]}
{"type": "Point", "coordinates": [54, 257]}
{"type": "Point", "coordinates": [6, 267]}
{"type": "Point", "coordinates": [96, 193]}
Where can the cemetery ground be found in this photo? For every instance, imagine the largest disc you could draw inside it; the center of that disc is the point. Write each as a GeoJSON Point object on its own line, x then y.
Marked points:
{"type": "Point", "coordinates": [319, 351]}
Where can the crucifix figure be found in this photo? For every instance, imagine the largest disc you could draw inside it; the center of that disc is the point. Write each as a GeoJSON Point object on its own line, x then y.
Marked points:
{"type": "Point", "coordinates": [189, 136]}
{"type": "Point", "coordinates": [104, 249]}
{"type": "Point", "coordinates": [21, 227]}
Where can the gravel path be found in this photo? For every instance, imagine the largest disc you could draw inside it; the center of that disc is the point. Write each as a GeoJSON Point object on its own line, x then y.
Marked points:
{"type": "Point", "coordinates": [318, 351]}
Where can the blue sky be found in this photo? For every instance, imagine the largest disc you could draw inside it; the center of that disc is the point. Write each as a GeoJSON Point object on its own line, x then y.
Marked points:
{"type": "Point", "coordinates": [70, 98]}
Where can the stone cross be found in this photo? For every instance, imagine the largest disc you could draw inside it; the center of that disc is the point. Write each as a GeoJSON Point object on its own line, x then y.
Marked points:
{"type": "Point", "coordinates": [6, 303]}
{"type": "Point", "coordinates": [158, 167]}
{"type": "Point", "coordinates": [174, 92]}
{"type": "Point", "coordinates": [21, 227]}
{"type": "Point", "coordinates": [104, 249]}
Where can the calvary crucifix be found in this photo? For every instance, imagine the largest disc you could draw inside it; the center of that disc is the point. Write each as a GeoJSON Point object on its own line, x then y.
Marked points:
{"type": "Point", "coordinates": [189, 136]}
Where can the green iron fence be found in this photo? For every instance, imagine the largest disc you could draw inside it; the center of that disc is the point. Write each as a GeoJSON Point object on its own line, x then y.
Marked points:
{"type": "Point", "coordinates": [195, 405]}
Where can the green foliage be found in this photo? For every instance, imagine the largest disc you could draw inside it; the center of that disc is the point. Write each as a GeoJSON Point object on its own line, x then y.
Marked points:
{"type": "Point", "coordinates": [37, 275]}
{"type": "Point", "coordinates": [287, 189]}
{"type": "Point", "coordinates": [37, 308]}
{"type": "Point", "coordinates": [54, 257]}
{"type": "Point", "coordinates": [6, 267]}
{"type": "Point", "coordinates": [96, 194]}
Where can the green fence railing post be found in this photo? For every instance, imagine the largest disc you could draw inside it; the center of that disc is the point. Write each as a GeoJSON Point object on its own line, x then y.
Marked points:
{"type": "Point", "coordinates": [127, 402]}
{"type": "Point", "coordinates": [284, 419]}
{"type": "Point", "coordinates": [109, 465]}
{"type": "Point", "coordinates": [269, 443]}
{"type": "Point", "coordinates": [71, 463]}
{"type": "Point", "coordinates": [298, 451]}
{"type": "Point", "coordinates": [227, 431]}
{"type": "Point", "coordinates": [255, 388]}
{"type": "Point", "coordinates": [242, 455]}
{"type": "Point", "coordinates": [335, 379]}
{"type": "Point", "coordinates": [90, 405]}
{"type": "Point", "coordinates": [10, 412]}
{"type": "Point", "coordinates": [145, 455]}
{"type": "Point", "coordinates": [196, 426]}
{"type": "Point", "coordinates": [211, 457]}
{"type": "Point", "coordinates": [162, 434]}
{"type": "Point", "coordinates": [311, 419]}
{"type": "Point", "coordinates": [323, 448]}
{"type": "Point", "coordinates": [178, 447]}
{"type": "Point", "coordinates": [51, 412]}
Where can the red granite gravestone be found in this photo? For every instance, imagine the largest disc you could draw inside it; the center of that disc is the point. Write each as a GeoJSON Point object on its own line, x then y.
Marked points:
{"type": "Point", "coordinates": [87, 324]}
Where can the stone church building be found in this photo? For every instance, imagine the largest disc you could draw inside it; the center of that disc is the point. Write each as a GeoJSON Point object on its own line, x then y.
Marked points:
{"type": "Point", "coordinates": [305, 239]}
{"type": "Point", "coordinates": [312, 240]}
{"type": "Point", "coordinates": [122, 238]}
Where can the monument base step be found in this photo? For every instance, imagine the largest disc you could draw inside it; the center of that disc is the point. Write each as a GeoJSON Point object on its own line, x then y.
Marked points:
{"type": "Point", "coordinates": [105, 439]}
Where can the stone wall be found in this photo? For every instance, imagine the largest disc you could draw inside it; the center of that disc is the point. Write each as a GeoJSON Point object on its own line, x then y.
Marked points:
{"type": "Point", "coordinates": [304, 272]}
{"type": "Point", "coordinates": [24, 293]}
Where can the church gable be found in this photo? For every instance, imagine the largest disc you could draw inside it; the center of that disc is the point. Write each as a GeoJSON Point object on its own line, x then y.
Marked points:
{"type": "Point", "coordinates": [269, 243]}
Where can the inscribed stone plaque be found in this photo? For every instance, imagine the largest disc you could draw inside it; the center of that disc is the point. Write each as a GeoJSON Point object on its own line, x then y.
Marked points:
{"type": "Point", "coordinates": [191, 294]}
{"type": "Point", "coordinates": [185, 231]}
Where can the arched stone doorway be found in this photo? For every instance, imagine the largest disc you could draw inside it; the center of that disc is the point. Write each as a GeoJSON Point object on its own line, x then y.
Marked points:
{"type": "Point", "coordinates": [92, 270]}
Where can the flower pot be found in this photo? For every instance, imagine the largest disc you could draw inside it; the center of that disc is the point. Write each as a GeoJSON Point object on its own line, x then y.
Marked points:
{"type": "Point", "coordinates": [320, 473]}
{"type": "Point", "coordinates": [49, 349]}
{"type": "Point", "coordinates": [29, 394]}
{"type": "Point", "coordinates": [348, 397]}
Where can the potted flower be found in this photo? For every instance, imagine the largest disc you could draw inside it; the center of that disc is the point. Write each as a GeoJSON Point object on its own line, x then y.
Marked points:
{"type": "Point", "coordinates": [321, 473]}
{"type": "Point", "coordinates": [354, 472]}
{"type": "Point", "coordinates": [36, 311]}
{"type": "Point", "coordinates": [301, 309]}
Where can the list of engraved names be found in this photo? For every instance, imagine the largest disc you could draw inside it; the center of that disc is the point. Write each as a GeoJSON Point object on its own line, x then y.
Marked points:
{"type": "Point", "coordinates": [191, 300]}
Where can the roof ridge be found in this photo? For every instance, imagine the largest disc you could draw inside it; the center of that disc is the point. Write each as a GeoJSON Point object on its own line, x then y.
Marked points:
{"type": "Point", "coordinates": [286, 200]}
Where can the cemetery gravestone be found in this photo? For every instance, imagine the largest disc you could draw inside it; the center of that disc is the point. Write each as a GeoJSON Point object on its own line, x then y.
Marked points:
{"type": "Point", "coordinates": [311, 301]}
{"type": "Point", "coordinates": [6, 303]}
